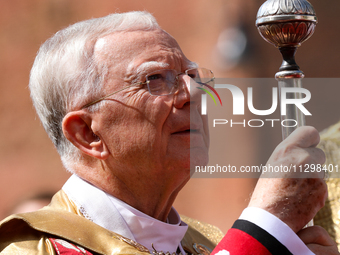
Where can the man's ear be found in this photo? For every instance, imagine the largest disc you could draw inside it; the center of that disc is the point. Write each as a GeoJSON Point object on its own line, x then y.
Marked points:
{"type": "Point", "coordinates": [77, 129]}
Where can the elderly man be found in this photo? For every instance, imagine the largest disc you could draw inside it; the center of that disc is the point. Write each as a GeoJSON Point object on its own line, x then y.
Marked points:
{"type": "Point", "coordinates": [113, 95]}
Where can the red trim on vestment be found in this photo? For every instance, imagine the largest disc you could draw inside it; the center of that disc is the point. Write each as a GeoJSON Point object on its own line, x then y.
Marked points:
{"type": "Point", "coordinates": [63, 247]}
{"type": "Point", "coordinates": [237, 242]}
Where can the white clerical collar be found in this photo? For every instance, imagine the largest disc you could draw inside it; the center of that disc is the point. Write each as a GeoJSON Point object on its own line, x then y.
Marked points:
{"type": "Point", "coordinates": [147, 230]}
{"type": "Point", "coordinates": [117, 216]}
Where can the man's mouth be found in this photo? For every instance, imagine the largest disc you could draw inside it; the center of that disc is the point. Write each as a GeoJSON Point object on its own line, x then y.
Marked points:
{"type": "Point", "coordinates": [186, 132]}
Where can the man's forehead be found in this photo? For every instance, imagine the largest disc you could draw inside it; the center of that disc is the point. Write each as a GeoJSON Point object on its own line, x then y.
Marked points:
{"type": "Point", "coordinates": [142, 50]}
{"type": "Point", "coordinates": [134, 39]}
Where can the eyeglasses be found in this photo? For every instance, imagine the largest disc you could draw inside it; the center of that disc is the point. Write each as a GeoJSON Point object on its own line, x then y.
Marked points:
{"type": "Point", "coordinates": [165, 82]}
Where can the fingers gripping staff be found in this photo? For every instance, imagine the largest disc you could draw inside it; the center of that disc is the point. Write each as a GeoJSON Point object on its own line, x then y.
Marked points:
{"type": "Point", "coordinates": [293, 200]}
{"type": "Point", "coordinates": [284, 204]}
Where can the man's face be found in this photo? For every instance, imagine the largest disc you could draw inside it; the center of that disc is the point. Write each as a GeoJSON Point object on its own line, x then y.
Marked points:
{"type": "Point", "coordinates": [149, 135]}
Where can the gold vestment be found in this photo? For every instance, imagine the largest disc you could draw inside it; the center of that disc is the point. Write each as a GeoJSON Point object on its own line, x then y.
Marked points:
{"type": "Point", "coordinates": [329, 216]}
{"type": "Point", "coordinates": [29, 233]}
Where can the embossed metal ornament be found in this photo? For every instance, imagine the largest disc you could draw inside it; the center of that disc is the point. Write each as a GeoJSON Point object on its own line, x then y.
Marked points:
{"type": "Point", "coordinates": [201, 249]}
{"type": "Point", "coordinates": [286, 22]}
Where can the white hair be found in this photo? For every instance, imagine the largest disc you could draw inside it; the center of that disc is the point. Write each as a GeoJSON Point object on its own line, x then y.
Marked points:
{"type": "Point", "coordinates": [65, 76]}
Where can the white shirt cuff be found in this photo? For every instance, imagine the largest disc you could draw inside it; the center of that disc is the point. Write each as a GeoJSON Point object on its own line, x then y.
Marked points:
{"type": "Point", "coordinates": [277, 228]}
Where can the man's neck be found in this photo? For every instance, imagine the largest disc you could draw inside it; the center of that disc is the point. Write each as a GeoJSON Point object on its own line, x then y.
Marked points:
{"type": "Point", "coordinates": [119, 217]}
{"type": "Point", "coordinates": [153, 200]}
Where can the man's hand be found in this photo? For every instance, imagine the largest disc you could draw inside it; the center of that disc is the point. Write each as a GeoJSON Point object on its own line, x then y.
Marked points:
{"type": "Point", "coordinates": [318, 241]}
{"type": "Point", "coordinates": [293, 200]}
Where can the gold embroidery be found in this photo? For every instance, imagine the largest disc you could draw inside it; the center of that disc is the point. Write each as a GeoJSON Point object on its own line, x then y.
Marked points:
{"type": "Point", "coordinates": [138, 246]}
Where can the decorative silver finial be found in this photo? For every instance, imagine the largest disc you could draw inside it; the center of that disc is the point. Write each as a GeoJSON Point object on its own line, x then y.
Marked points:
{"type": "Point", "coordinates": [286, 24]}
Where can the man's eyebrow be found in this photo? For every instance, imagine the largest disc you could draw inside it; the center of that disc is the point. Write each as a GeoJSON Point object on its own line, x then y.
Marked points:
{"type": "Point", "coordinates": [134, 72]}
{"type": "Point", "coordinates": [151, 64]}
{"type": "Point", "coordinates": [192, 65]}
{"type": "Point", "coordinates": [144, 67]}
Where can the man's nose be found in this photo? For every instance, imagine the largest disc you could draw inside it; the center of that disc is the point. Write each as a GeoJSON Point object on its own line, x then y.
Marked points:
{"type": "Point", "coordinates": [187, 91]}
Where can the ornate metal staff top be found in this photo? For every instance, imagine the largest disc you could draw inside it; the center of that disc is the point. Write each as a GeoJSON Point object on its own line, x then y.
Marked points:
{"type": "Point", "coordinates": [287, 24]}
{"type": "Point", "coordinates": [284, 13]}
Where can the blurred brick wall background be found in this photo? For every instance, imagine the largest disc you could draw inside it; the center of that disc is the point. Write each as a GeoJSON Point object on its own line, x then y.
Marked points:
{"type": "Point", "coordinates": [28, 161]}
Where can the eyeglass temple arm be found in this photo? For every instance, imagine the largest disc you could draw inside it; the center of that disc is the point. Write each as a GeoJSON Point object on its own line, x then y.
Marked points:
{"type": "Point", "coordinates": [102, 98]}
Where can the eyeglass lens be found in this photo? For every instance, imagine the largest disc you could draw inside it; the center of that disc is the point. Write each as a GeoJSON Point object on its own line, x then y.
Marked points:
{"type": "Point", "coordinates": [164, 82]}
